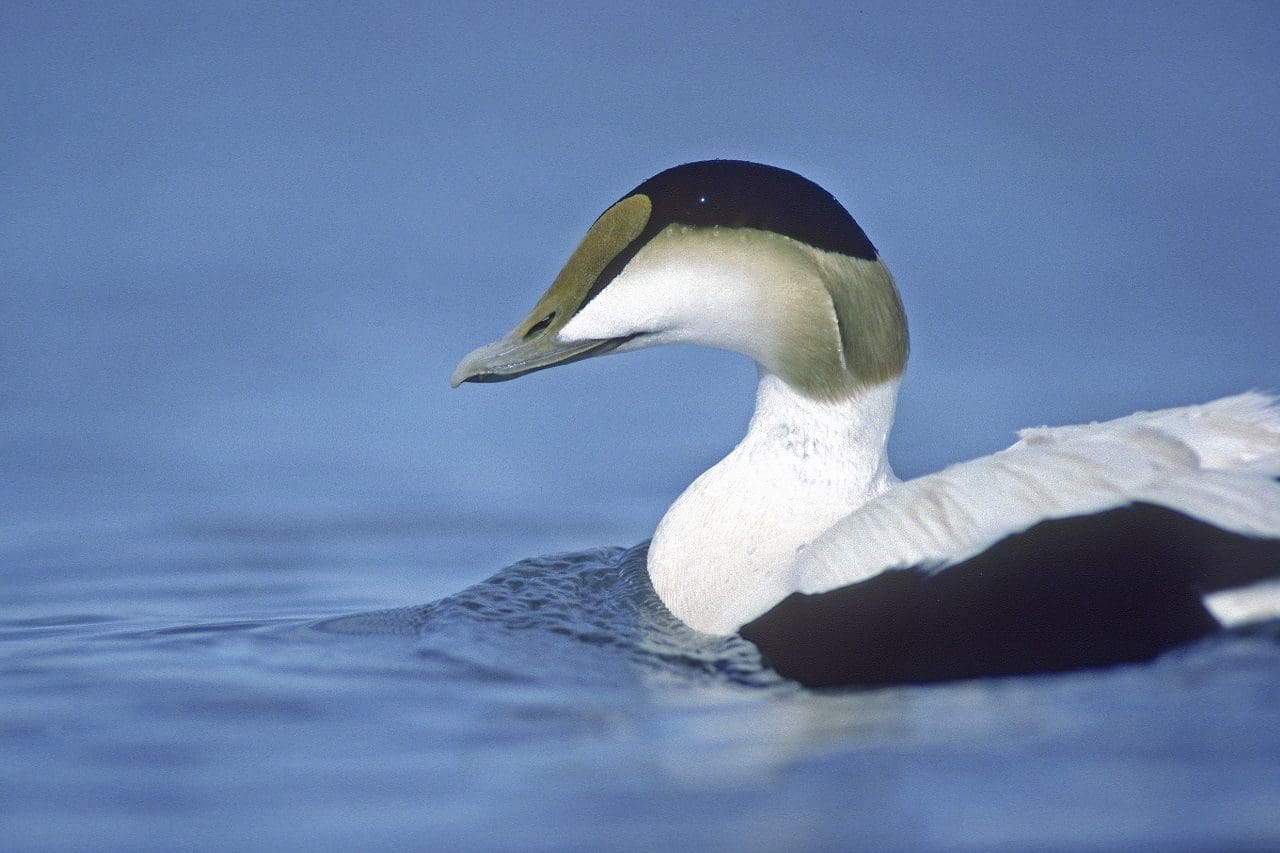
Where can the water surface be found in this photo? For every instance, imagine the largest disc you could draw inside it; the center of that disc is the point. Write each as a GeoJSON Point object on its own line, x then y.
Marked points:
{"type": "Point", "coordinates": [242, 248]}
{"type": "Point", "coordinates": [222, 686]}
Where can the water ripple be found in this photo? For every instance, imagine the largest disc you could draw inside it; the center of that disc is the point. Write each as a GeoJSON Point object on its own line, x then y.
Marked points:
{"type": "Point", "coordinates": [589, 616]}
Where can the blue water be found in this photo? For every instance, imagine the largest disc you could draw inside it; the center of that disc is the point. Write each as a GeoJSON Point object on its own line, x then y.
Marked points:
{"type": "Point", "coordinates": [215, 686]}
{"type": "Point", "coordinates": [242, 247]}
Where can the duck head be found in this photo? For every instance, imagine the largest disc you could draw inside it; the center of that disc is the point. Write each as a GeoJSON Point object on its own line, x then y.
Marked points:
{"type": "Point", "coordinates": [728, 254]}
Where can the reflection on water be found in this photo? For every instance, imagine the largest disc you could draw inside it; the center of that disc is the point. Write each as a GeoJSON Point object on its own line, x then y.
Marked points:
{"type": "Point", "coordinates": [235, 694]}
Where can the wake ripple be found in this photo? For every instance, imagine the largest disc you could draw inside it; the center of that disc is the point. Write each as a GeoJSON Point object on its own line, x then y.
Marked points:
{"type": "Point", "coordinates": [587, 617]}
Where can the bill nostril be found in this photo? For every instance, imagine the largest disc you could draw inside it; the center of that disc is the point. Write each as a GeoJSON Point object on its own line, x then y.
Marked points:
{"type": "Point", "coordinates": [540, 326]}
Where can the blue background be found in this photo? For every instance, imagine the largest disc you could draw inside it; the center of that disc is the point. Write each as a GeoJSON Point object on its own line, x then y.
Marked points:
{"type": "Point", "coordinates": [242, 247]}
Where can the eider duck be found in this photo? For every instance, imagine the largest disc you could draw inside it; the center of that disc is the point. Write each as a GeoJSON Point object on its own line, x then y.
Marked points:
{"type": "Point", "coordinates": [1077, 546]}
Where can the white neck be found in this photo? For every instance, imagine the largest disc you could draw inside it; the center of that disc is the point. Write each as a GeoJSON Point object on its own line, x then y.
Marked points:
{"type": "Point", "coordinates": [723, 551]}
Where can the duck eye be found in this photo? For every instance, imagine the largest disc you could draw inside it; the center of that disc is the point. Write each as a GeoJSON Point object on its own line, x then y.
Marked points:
{"type": "Point", "coordinates": [540, 326]}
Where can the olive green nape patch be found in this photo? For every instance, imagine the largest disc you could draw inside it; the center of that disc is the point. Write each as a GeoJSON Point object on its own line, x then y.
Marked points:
{"type": "Point", "coordinates": [611, 233]}
{"type": "Point", "coordinates": [872, 321]}
{"type": "Point", "coordinates": [868, 344]}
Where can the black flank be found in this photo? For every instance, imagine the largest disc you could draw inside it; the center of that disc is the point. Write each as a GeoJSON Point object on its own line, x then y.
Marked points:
{"type": "Point", "coordinates": [1089, 591]}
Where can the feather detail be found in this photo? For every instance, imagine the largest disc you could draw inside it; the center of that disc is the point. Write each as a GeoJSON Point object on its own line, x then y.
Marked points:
{"type": "Point", "coordinates": [1214, 462]}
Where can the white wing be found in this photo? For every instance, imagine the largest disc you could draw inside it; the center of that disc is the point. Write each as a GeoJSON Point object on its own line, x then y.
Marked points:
{"type": "Point", "coordinates": [1216, 462]}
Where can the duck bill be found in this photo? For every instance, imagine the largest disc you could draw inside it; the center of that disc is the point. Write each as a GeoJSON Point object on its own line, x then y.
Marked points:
{"type": "Point", "coordinates": [513, 356]}
{"type": "Point", "coordinates": [534, 344]}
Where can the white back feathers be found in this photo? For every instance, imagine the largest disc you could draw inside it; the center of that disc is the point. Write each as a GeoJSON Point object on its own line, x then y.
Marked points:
{"type": "Point", "coordinates": [1215, 462]}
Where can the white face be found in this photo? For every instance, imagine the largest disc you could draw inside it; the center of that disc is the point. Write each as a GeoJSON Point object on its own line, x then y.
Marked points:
{"type": "Point", "coordinates": [736, 289]}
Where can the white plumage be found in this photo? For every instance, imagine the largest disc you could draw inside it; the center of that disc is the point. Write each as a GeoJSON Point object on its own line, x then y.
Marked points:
{"type": "Point", "coordinates": [1215, 462]}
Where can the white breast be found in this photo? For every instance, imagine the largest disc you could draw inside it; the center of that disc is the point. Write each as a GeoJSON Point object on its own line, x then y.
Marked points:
{"type": "Point", "coordinates": [732, 537]}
